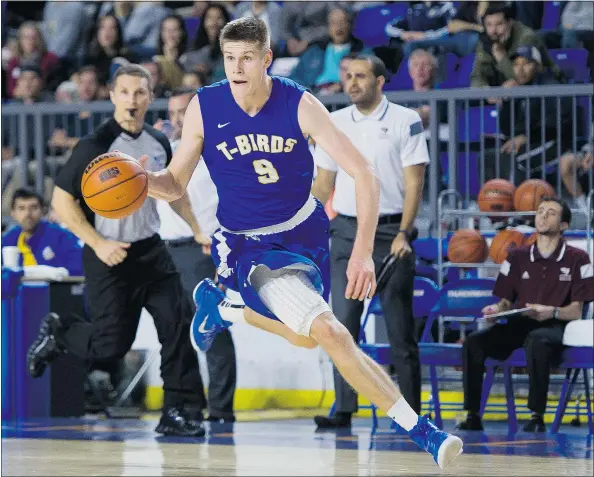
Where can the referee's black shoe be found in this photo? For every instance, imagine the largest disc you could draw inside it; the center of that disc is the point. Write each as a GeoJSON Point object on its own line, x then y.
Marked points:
{"type": "Point", "coordinates": [45, 348]}
{"type": "Point", "coordinates": [338, 421]}
{"type": "Point", "coordinates": [176, 422]}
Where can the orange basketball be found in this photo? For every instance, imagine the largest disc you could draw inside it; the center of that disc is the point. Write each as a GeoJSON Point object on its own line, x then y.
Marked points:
{"type": "Point", "coordinates": [467, 246]}
{"type": "Point", "coordinates": [504, 242]}
{"type": "Point", "coordinates": [114, 185]}
{"type": "Point", "coordinates": [529, 194]}
{"type": "Point", "coordinates": [496, 195]}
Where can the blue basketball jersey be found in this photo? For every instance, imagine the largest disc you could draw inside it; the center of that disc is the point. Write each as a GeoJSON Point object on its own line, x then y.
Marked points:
{"type": "Point", "coordinates": [261, 166]}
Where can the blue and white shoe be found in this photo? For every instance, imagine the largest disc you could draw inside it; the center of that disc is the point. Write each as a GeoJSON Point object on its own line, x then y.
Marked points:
{"type": "Point", "coordinates": [442, 446]}
{"type": "Point", "coordinates": [207, 321]}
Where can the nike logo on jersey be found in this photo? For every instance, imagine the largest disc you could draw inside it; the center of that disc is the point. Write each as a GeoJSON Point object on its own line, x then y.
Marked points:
{"type": "Point", "coordinates": [223, 125]}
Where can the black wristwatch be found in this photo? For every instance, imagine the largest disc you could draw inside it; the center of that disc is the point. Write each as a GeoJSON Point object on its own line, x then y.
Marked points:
{"type": "Point", "coordinates": [406, 234]}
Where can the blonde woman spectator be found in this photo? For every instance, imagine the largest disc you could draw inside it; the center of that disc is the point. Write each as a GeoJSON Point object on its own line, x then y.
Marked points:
{"type": "Point", "coordinates": [31, 51]}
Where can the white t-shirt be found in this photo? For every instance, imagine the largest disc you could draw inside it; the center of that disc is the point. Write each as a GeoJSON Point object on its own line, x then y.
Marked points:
{"type": "Point", "coordinates": [392, 138]}
{"type": "Point", "coordinates": [204, 199]}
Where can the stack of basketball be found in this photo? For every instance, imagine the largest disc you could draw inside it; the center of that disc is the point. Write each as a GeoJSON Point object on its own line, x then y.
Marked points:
{"type": "Point", "coordinates": [498, 195]}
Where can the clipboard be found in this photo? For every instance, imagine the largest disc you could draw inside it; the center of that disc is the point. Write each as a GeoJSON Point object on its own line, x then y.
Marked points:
{"type": "Point", "coordinates": [503, 315]}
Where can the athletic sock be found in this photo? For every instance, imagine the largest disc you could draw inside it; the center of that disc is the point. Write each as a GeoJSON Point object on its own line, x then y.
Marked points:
{"type": "Point", "coordinates": [231, 307]}
{"type": "Point", "coordinates": [403, 414]}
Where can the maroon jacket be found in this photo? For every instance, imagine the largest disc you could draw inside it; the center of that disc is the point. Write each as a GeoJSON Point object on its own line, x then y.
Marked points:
{"type": "Point", "coordinates": [49, 63]}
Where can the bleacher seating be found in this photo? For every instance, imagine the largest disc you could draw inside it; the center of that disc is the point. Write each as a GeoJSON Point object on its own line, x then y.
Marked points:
{"type": "Point", "coordinates": [573, 62]}
{"type": "Point", "coordinates": [370, 22]}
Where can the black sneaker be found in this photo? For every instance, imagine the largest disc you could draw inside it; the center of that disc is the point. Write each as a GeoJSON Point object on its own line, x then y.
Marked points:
{"type": "Point", "coordinates": [175, 422]}
{"type": "Point", "coordinates": [472, 423]}
{"type": "Point", "coordinates": [338, 421]}
{"type": "Point", "coordinates": [535, 424]}
{"type": "Point", "coordinates": [45, 348]}
{"type": "Point", "coordinates": [220, 419]}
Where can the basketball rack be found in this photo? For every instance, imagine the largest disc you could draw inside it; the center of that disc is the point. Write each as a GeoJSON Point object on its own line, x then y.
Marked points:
{"type": "Point", "coordinates": [456, 212]}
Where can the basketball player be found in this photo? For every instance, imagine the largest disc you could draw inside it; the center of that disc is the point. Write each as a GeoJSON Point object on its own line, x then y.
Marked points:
{"type": "Point", "coordinates": [272, 246]}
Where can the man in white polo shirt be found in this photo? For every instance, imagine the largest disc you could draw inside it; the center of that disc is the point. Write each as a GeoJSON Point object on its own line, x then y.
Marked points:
{"type": "Point", "coordinates": [392, 138]}
{"type": "Point", "coordinates": [190, 251]}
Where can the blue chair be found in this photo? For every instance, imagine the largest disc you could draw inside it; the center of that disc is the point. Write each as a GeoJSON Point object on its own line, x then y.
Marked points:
{"type": "Point", "coordinates": [473, 122]}
{"type": "Point", "coordinates": [464, 70]}
{"type": "Point", "coordinates": [426, 248]}
{"type": "Point", "coordinates": [551, 15]}
{"type": "Point", "coordinates": [460, 299]}
{"type": "Point", "coordinates": [573, 62]}
{"type": "Point", "coordinates": [468, 170]}
{"type": "Point", "coordinates": [370, 23]}
{"type": "Point", "coordinates": [425, 296]}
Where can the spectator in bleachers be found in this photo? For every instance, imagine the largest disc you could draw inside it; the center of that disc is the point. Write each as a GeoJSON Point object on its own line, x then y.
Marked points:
{"type": "Point", "coordinates": [39, 241]}
{"type": "Point", "coordinates": [173, 42]}
{"type": "Point", "coordinates": [268, 12]}
{"type": "Point", "coordinates": [319, 66]}
{"type": "Point", "coordinates": [425, 26]}
{"type": "Point", "coordinates": [31, 51]}
{"type": "Point", "coordinates": [582, 164]}
{"type": "Point", "coordinates": [422, 68]}
{"type": "Point", "coordinates": [193, 79]}
{"type": "Point", "coordinates": [502, 37]}
{"type": "Point", "coordinates": [528, 13]}
{"type": "Point", "coordinates": [65, 26]}
{"type": "Point", "coordinates": [106, 45]}
{"type": "Point", "coordinates": [576, 26]}
{"type": "Point", "coordinates": [158, 83]}
{"type": "Point", "coordinates": [528, 120]}
{"type": "Point", "coordinates": [206, 55]}
{"type": "Point", "coordinates": [554, 280]}
{"type": "Point", "coordinates": [304, 23]}
{"type": "Point", "coordinates": [83, 88]}
{"type": "Point", "coordinates": [464, 28]}
{"type": "Point", "coordinates": [29, 87]}
{"type": "Point", "coordinates": [141, 23]}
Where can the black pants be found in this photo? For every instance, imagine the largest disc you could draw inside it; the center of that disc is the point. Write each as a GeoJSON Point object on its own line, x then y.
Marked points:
{"type": "Point", "coordinates": [542, 342]}
{"type": "Point", "coordinates": [396, 300]}
{"type": "Point", "coordinates": [147, 278]}
{"type": "Point", "coordinates": [194, 266]}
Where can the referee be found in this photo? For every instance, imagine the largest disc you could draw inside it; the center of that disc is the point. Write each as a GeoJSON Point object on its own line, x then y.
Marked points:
{"type": "Point", "coordinates": [127, 266]}
{"type": "Point", "coordinates": [391, 137]}
{"type": "Point", "coordinates": [194, 262]}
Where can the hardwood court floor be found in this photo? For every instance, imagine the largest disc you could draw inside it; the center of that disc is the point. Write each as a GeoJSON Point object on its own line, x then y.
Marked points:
{"type": "Point", "coordinates": [104, 447]}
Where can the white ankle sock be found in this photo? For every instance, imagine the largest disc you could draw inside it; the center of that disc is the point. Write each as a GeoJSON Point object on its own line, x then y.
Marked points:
{"type": "Point", "coordinates": [403, 414]}
{"type": "Point", "coordinates": [231, 307]}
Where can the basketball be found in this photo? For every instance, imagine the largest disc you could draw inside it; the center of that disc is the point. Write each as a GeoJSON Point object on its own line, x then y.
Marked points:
{"type": "Point", "coordinates": [496, 195]}
{"type": "Point", "coordinates": [467, 246]}
{"type": "Point", "coordinates": [529, 194]}
{"type": "Point", "coordinates": [503, 243]}
{"type": "Point", "coordinates": [114, 185]}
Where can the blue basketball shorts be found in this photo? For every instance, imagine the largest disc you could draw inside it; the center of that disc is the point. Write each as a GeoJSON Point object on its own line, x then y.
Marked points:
{"type": "Point", "coordinates": [305, 247]}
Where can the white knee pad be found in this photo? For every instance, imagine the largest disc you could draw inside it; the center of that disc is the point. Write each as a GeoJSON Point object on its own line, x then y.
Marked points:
{"type": "Point", "coordinates": [290, 296]}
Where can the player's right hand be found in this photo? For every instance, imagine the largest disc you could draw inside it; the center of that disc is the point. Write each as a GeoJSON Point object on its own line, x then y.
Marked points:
{"type": "Point", "coordinates": [361, 278]}
{"type": "Point", "coordinates": [111, 252]}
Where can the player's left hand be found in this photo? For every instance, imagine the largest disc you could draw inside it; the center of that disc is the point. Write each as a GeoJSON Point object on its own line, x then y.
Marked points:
{"type": "Point", "coordinates": [540, 312]}
{"type": "Point", "coordinates": [400, 246]}
{"type": "Point", "coordinates": [205, 241]}
{"type": "Point", "coordinates": [361, 278]}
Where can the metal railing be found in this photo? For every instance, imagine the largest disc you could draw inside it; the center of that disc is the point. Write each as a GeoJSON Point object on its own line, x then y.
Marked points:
{"type": "Point", "coordinates": [464, 114]}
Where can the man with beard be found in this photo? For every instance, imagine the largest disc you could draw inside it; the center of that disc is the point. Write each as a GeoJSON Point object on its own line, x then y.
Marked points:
{"type": "Point", "coordinates": [391, 137]}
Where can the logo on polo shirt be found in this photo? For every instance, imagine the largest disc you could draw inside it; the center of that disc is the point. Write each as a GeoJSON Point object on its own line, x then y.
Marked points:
{"type": "Point", "coordinates": [565, 276]}
{"type": "Point", "coordinates": [525, 276]}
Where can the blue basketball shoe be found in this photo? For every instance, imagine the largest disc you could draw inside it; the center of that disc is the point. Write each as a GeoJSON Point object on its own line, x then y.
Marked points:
{"type": "Point", "coordinates": [442, 446]}
{"type": "Point", "coordinates": [207, 321]}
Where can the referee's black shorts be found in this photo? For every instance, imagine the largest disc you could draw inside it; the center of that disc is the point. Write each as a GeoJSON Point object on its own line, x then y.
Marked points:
{"type": "Point", "coordinates": [116, 295]}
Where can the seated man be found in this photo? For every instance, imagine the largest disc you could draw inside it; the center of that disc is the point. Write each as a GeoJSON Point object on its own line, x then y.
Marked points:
{"type": "Point", "coordinates": [554, 280]}
{"type": "Point", "coordinates": [41, 242]}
